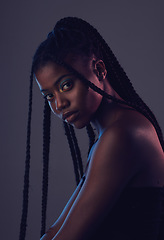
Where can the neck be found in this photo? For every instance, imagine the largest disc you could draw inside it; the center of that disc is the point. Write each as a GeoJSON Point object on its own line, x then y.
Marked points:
{"type": "Point", "coordinates": [105, 116]}
{"type": "Point", "coordinates": [108, 111]}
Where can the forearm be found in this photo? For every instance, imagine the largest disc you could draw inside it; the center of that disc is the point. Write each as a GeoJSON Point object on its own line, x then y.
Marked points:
{"type": "Point", "coordinates": [52, 231]}
{"type": "Point", "coordinates": [57, 225]}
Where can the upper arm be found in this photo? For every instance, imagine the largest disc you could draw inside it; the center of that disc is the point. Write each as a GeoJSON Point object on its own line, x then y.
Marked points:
{"type": "Point", "coordinates": [112, 165]}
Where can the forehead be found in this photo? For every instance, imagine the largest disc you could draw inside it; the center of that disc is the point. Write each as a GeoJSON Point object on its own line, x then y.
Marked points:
{"type": "Point", "coordinates": [49, 72]}
{"type": "Point", "coordinates": [81, 63]}
{"type": "Point", "coordinates": [52, 71]}
{"type": "Point", "coordinates": [77, 59]}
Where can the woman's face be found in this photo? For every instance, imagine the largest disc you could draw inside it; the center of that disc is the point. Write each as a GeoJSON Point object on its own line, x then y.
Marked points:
{"type": "Point", "coordinates": [68, 96]}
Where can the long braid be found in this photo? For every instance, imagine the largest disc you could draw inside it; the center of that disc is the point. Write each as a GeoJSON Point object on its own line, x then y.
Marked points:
{"type": "Point", "coordinates": [73, 153]}
{"type": "Point", "coordinates": [77, 150]}
{"type": "Point", "coordinates": [46, 150]}
{"type": "Point", "coordinates": [23, 224]}
{"type": "Point", "coordinates": [91, 135]}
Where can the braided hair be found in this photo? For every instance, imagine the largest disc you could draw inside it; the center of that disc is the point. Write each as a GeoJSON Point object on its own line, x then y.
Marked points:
{"type": "Point", "coordinates": [76, 36]}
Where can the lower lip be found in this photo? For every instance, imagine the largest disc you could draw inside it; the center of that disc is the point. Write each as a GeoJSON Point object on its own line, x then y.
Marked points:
{"type": "Point", "coordinates": [72, 118]}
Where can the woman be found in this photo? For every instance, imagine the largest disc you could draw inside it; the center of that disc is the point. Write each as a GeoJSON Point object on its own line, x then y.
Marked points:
{"type": "Point", "coordinates": [120, 195]}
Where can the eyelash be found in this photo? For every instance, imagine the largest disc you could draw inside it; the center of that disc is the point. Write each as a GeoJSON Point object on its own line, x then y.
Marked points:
{"type": "Point", "coordinates": [61, 89]}
{"type": "Point", "coordinates": [49, 95]}
{"type": "Point", "coordinates": [64, 83]}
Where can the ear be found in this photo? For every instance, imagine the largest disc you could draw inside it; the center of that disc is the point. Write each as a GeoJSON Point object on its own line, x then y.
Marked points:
{"type": "Point", "coordinates": [99, 69]}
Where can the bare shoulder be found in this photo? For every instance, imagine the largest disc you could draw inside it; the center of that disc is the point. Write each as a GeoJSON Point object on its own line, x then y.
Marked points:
{"type": "Point", "coordinates": [116, 151]}
{"type": "Point", "coordinates": [130, 130]}
{"type": "Point", "coordinates": [142, 133]}
{"type": "Point", "coordinates": [130, 142]}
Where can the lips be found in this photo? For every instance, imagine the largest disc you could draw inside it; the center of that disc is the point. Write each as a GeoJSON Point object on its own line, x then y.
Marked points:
{"type": "Point", "coordinates": [70, 116]}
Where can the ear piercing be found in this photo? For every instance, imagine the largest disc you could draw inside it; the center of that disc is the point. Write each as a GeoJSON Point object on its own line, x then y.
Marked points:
{"type": "Point", "coordinates": [101, 77]}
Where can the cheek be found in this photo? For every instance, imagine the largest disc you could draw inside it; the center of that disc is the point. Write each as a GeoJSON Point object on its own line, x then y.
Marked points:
{"type": "Point", "coordinates": [93, 101]}
{"type": "Point", "coordinates": [53, 108]}
{"type": "Point", "coordinates": [88, 102]}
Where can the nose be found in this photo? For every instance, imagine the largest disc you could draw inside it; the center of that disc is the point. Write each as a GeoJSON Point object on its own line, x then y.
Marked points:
{"type": "Point", "coordinates": [61, 102]}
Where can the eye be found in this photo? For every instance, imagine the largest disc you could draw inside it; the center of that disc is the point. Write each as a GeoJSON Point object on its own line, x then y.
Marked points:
{"type": "Point", "coordinates": [49, 97]}
{"type": "Point", "coordinates": [66, 85]}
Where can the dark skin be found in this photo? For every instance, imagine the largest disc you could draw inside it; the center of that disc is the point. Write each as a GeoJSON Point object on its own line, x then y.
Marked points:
{"type": "Point", "coordinates": [127, 153]}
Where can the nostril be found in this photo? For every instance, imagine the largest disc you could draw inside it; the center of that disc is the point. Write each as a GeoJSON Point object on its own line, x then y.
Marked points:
{"type": "Point", "coordinates": [61, 104]}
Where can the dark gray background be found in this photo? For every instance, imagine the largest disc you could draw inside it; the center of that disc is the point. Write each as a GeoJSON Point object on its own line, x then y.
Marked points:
{"type": "Point", "coordinates": [133, 29]}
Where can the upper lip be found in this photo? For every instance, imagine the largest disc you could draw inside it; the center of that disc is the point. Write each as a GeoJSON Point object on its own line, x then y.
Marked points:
{"type": "Point", "coordinates": [67, 114]}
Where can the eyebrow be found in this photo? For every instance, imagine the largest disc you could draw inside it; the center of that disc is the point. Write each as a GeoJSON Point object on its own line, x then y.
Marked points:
{"type": "Point", "coordinates": [57, 81]}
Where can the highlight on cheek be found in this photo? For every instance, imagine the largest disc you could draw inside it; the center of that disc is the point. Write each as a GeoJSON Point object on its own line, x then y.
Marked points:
{"type": "Point", "coordinates": [66, 85]}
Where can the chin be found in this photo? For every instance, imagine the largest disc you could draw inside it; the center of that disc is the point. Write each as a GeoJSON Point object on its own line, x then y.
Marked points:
{"type": "Point", "coordinates": [80, 124]}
